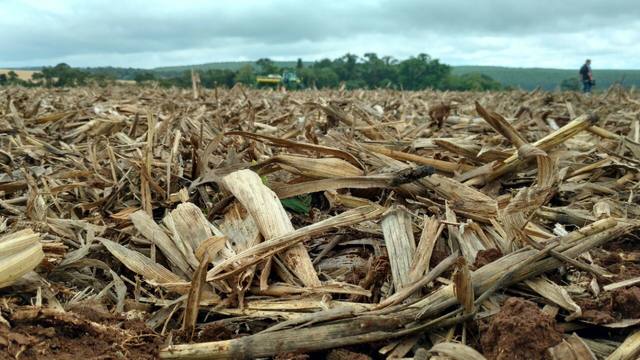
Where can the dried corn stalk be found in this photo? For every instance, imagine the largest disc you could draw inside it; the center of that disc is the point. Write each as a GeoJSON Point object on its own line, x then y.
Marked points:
{"type": "Point", "coordinates": [401, 246]}
{"type": "Point", "coordinates": [271, 219]}
{"type": "Point", "coordinates": [20, 252]}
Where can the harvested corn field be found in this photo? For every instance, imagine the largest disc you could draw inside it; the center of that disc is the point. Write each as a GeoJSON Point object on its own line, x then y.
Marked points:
{"type": "Point", "coordinates": [241, 223]}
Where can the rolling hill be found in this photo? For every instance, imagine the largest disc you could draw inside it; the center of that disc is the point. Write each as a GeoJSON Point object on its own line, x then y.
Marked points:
{"type": "Point", "coordinates": [548, 79]}
{"type": "Point", "coordinates": [525, 78]}
{"type": "Point", "coordinates": [226, 65]}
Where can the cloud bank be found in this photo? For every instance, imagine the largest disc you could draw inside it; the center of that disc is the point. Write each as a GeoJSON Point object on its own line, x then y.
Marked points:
{"type": "Point", "coordinates": [160, 33]}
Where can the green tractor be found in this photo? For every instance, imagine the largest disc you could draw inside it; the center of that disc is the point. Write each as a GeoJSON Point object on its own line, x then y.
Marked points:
{"type": "Point", "coordinates": [288, 80]}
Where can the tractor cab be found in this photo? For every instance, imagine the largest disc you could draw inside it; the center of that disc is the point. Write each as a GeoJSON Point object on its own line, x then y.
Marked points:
{"type": "Point", "coordinates": [288, 79]}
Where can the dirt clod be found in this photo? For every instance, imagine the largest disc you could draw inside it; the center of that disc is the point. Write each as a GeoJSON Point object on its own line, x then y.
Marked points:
{"type": "Point", "coordinates": [292, 356]}
{"type": "Point", "coordinates": [71, 336]}
{"type": "Point", "coordinates": [485, 257]}
{"type": "Point", "coordinates": [626, 302]}
{"type": "Point", "coordinates": [519, 331]}
{"type": "Point", "coordinates": [344, 354]}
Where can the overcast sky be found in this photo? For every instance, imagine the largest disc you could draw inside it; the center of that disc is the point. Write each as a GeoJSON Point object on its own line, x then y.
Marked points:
{"type": "Point", "coordinates": [527, 33]}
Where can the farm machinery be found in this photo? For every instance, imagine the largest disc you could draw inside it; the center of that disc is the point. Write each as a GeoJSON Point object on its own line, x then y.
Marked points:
{"type": "Point", "coordinates": [288, 79]}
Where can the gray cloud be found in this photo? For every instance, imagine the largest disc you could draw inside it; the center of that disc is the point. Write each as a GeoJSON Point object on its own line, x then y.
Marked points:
{"type": "Point", "coordinates": [155, 33]}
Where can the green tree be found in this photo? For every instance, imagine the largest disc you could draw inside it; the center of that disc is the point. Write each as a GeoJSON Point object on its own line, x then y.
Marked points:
{"type": "Point", "coordinates": [145, 76]}
{"type": "Point", "coordinates": [319, 77]}
{"type": "Point", "coordinates": [324, 63]}
{"type": "Point", "coordinates": [347, 67]}
{"type": "Point", "coordinates": [267, 66]}
{"type": "Point", "coordinates": [4, 80]}
{"type": "Point", "coordinates": [327, 78]}
{"type": "Point", "coordinates": [217, 77]}
{"type": "Point", "coordinates": [421, 72]}
{"type": "Point", "coordinates": [38, 77]}
{"type": "Point", "coordinates": [245, 75]}
{"type": "Point", "coordinates": [378, 72]}
{"type": "Point", "coordinates": [63, 75]}
{"type": "Point", "coordinates": [299, 64]}
{"type": "Point", "coordinates": [102, 79]}
{"type": "Point", "coordinates": [12, 77]}
{"type": "Point", "coordinates": [471, 82]}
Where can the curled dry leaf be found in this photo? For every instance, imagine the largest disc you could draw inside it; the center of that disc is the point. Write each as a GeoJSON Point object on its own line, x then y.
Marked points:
{"type": "Point", "coordinates": [457, 351]}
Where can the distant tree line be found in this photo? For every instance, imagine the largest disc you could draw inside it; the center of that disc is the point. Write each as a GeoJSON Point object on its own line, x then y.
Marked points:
{"type": "Point", "coordinates": [61, 75]}
{"type": "Point", "coordinates": [354, 72]}
{"type": "Point", "coordinates": [351, 71]}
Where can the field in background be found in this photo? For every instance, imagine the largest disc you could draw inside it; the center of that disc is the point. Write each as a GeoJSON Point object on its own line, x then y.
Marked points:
{"type": "Point", "coordinates": [548, 79]}
{"type": "Point", "coordinates": [22, 74]}
{"type": "Point", "coordinates": [225, 65]}
{"type": "Point", "coordinates": [525, 78]}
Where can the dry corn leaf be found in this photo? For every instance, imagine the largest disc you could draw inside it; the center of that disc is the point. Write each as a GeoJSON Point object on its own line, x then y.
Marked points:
{"type": "Point", "coordinates": [456, 351]}
{"type": "Point", "coordinates": [20, 253]}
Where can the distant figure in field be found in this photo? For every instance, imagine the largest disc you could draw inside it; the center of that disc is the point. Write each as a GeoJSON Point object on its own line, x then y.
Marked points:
{"type": "Point", "coordinates": [586, 76]}
{"type": "Point", "coordinates": [439, 113]}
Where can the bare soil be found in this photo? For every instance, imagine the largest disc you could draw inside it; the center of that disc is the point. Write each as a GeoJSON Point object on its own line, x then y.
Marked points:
{"type": "Point", "coordinates": [36, 334]}
{"type": "Point", "coordinates": [485, 257]}
{"type": "Point", "coordinates": [612, 306]}
{"type": "Point", "coordinates": [519, 331]}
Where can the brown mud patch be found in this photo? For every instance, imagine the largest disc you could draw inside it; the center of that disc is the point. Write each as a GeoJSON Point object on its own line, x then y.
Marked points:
{"type": "Point", "coordinates": [49, 334]}
{"type": "Point", "coordinates": [292, 356]}
{"type": "Point", "coordinates": [626, 302]}
{"type": "Point", "coordinates": [519, 331]}
{"type": "Point", "coordinates": [344, 354]}
{"type": "Point", "coordinates": [612, 306]}
{"type": "Point", "coordinates": [485, 257]}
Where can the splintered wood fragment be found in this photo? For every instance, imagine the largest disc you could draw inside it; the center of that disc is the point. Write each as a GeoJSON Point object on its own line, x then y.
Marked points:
{"type": "Point", "coordinates": [271, 219]}
{"type": "Point", "coordinates": [401, 246]}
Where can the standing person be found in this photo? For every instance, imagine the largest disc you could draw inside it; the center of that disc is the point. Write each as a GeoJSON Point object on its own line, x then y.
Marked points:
{"type": "Point", "coordinates": [586, 76]}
